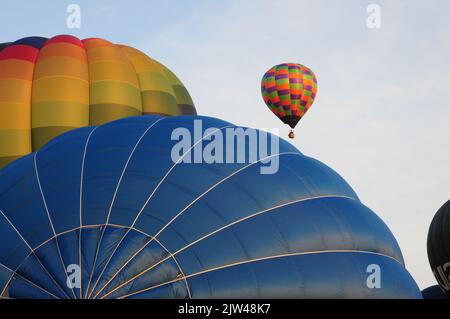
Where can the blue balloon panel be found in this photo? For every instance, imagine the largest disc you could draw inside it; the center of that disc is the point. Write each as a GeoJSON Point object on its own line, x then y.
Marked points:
{"type": "Point", "coordinates": [108, 212]}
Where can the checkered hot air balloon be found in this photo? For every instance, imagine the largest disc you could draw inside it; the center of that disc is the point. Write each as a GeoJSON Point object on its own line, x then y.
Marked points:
{"type": "Point", "coordinates": [289, 90]}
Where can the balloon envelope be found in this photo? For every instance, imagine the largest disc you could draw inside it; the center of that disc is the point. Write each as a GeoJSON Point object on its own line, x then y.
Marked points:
{"type": "Point", "coordinates": [433, 292]}
{"type": "Point", "coordinates": [438, 244]}
{"type": "Point", "coordinates": [137, 222]}
{"type": "Point", "coordinates": [50, 86]}
{"type": "Point", "coordinates": [289, 90]}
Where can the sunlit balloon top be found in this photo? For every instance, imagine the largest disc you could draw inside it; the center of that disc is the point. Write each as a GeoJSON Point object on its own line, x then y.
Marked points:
{"type": "Point", "coordinates": [49, 86]}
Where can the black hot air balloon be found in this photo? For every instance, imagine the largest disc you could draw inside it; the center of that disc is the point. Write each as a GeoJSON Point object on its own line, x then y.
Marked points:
{"type": "Point", "coordinates": [438, 246]}
{"type": "Point", "coordinates": [433, 292]}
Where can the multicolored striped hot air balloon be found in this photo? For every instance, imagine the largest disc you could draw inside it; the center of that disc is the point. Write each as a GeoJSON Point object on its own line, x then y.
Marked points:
{"type": "Point", "coordinates": [289, 90]}
{"type": "Point", "coordinates": [50, 86]}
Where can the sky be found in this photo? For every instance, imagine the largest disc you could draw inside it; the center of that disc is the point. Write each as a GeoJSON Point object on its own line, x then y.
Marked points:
{"type": "Point", "coordinates": [381, 116]}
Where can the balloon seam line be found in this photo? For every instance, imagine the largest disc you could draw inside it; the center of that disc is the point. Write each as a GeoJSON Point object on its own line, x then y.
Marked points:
{"type": "Point", "coordinates": [257, 260]}
{"type": "Point", "coordinates": [114, 199]}
{"type": "Point", "coordinates": [156, 188]}
{"type": "Point", "coordinates": [184, 209]}
{"type": "Point", "coordinates": [48, 215]}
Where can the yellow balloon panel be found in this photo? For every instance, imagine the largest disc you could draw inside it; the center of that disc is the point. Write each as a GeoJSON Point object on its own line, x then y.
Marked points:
{"type": "Point", "coordinates": [60, 89]}
{"type": "Point", "coordinates": [14, 116]}
{"type": "Point", "coordinates": [60, 114]}
{"type": "Point", "coordinates": [107, 112]}
{"type": "Point", "coordinates": [15, 143]}
{"type": "Point", "coordinates": [15, 90]}
{"type": "Point", "coordinates": [112, 71]}
{"type": "Point", "coordinates": [114, 92]}
{"type": "Point", "coordinates": [155, 81]}
{"type": "Point", "coordinates": [62, 67]}
{"type": "Point", "coordinates": [159, 103]}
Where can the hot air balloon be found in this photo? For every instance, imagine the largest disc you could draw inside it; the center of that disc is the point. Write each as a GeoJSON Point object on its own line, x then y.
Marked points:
{"type": "Point", "coordinates": [433, 292]}
{"type": "Point", "coordinates": [138, 223]}
{"type": "Point", "coordinates": [289, 90]}
{"type": "Point", "coordinates": [438, 244]}
{"type": "Point", "coordinates": [50, 86]}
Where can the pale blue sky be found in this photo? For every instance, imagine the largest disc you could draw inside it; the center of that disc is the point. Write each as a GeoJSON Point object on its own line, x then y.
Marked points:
{"type": "Point", "coordinates": [382, 112]}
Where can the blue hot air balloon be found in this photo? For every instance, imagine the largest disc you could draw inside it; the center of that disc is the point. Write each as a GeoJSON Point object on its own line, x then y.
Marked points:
{"type": "Point", "coordinates": [113, 212]}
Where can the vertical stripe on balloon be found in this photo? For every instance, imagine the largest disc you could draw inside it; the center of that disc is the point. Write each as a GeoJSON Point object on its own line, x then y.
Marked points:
{"type": "Point", "coordinates": [60, 98]}
{"type": "Point", "coordinates": [114, 85]}
{"type": "Point", "coordinates": [158, 96]}
{"type": "Point", "coordinates": [16, 75]}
